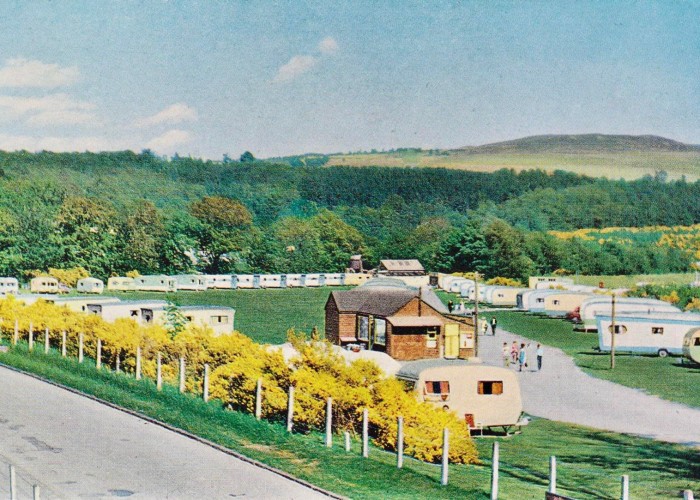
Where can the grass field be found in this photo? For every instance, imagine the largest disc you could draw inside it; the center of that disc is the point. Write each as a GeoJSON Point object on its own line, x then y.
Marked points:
{"type": "Point", "coordinates": [590, 462]}
{"type": "Point", "coordinates": [664, 377]}
{"type": "Point", "coordinates": [631, 280]}
{"type": "Point", "coordinates": [615, 165]}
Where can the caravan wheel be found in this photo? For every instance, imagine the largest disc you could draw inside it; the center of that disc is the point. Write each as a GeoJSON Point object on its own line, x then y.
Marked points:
{"type": "Point", "coordinates": [663, 353]}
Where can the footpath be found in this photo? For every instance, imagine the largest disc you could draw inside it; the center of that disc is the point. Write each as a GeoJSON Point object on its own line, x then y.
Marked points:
{"type": "Point", "coordinates": [563, 392]}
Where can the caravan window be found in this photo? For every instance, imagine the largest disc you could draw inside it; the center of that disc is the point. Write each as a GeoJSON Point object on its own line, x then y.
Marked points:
{"type": "Point", "coordinates": [657, 330]}
{"type": "Point", "coordinates": [555, 302]}
{"type": "Point", "coordinates": [437, 389]}
{"type": "Point", "coordinates": [490, 387]}
{"type": "Point", "coordinates": [618, 329]}
{"type": "Point", "coordinates": [697, 341]}
{"type": "Point", "coordinates": [219, 320]}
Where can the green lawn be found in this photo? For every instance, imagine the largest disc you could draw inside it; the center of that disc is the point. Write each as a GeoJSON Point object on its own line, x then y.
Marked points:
{"type": "Point", "coordinates": [265, 315]}
{"type": "Point", "coordinates": [668, 377]}
{"type": "Point", "coordinates": [590, 462]}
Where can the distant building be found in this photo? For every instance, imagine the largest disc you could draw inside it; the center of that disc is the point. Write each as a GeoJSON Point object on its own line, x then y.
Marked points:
{"type": "Point", "coordinates": [407, 323]}
{"type": "Point", "coordinates": [406, 267]}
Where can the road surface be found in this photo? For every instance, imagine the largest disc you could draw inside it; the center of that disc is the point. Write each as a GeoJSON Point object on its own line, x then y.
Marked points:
{"type": "Point", "coordinates": [564, 392]}
{"type": "Point", "coordinates": [75, 447]}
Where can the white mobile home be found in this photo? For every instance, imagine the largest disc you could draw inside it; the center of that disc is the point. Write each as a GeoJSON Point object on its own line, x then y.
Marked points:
{"type": "Point", "coordinates": [603, 305]}
{"type": "Point", "coordinates": [295, 280]}
{"type": "Point", "coordinates": [356, 279]}
{"type": "Point", "coordinates": [548, 281]}
{"type": "Point", "coordinates": [447, 280]}
{"type": "Point", "coordinates": [652, 333]}
{"type": "Point", "coordinates": [245, 281]}
{"type": "Point", "coordinates": [270, 281]}
{"type": "Point", "coordinates": [90, 285]}
{"type": "Point", "coordinates": [219, 319]}
{"type": "Point", "coordinates": [121, 284]}
{"type": "Point", "coordinates": [536, 300]}
{"type": "Point", "coordinates": [456, 284]}
{"type": "Point", "coordinates": [505, 295]}
{"type": "Point", "coordinates": [483, 395]}
{"type": "Point", "coordinates": [562, 302]}
{"type": "Point", "coordinates": [219, 281]}
{"type": "Point", "coordinates": [79, 304]}
{"type": "Point", "coordinates": [313, 280]}
{"type": "Point", "coordinates": [9, 286]}
{"type": "Point", "coordinates": [126, 309]}
{"type": "Point", "coordinates": [155, 283]}
{"type": "Point", "coordinates": [464, 287]}
{"type": "Point", "coordinates": [43, 284]}
{"type": "Point", "coordinates": [191, 282]}
{"type": "Point", "coordinates": [469, 292]}
{"type": "Point", "coordinates": [335, 279]}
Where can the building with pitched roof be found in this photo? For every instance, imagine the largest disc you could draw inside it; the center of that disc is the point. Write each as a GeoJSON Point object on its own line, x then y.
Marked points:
{"type": "Point", "coordinates": [407, 323]}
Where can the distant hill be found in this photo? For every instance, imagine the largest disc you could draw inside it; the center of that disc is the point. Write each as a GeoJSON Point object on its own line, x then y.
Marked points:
{"type": "Point", "coordinates": [582, 143]}
{"type": "Point", "coordinates": [595, 155]}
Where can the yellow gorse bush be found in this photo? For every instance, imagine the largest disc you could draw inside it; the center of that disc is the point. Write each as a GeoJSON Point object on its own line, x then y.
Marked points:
{"type": "Point", "coordinates": [236, 364]}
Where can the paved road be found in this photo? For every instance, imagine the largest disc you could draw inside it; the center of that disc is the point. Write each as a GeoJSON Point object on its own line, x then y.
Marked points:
{"type": "Point", "coordinates": [78, 448]}
{"type": "Point", "coordinates": [563, 392]}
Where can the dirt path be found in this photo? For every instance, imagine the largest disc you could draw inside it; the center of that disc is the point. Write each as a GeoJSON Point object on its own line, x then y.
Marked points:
{"type": "Point", "coordinates": [562, 391]}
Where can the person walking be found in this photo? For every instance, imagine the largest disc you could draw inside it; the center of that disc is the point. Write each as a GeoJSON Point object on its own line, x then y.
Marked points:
{"type": "Point", "coordinates": [540, 355]}
{"type": "Point", "coordinates": [450, 305]}
{"type": "Point", "coordinates": [514, 352]}
{"type": "Point", "coordinates": [494, 322]}
{"type": "Point", "coordinates": [522, 357]}
{"type": "Point", "coordinates": [506, 354]}
{"type": "Point", "coordinates": [484, 327]}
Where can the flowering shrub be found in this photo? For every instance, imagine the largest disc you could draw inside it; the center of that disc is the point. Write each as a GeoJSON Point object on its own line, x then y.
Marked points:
{"type": "Point", "coordinates": [317, 373]}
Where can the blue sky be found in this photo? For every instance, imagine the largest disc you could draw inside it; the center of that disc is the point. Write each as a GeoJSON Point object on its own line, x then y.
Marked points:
{"type": "Point", "coordinates": [212, 77]}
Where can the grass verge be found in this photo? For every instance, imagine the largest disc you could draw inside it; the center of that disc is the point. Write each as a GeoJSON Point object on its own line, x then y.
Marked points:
{"type": "Point", "coordinates": [590, 462]}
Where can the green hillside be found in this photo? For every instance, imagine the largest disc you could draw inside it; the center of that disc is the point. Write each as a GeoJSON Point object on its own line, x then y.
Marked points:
{"type": "Point", "coordinates": [596, 155]}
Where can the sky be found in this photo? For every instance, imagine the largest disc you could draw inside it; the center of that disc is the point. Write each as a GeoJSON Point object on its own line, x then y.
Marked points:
{"type": "Point", "coordinates": [207, 78]}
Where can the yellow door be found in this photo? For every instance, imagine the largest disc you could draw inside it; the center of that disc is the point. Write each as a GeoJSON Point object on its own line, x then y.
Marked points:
{"type": "Point", "coordinates": [451, 340]}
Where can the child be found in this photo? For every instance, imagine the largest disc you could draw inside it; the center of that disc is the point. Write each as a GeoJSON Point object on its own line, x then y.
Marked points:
{"type": "Point", "coordinates": [506, 354]}
{"type": "Point", "coordinates": [522, 357]}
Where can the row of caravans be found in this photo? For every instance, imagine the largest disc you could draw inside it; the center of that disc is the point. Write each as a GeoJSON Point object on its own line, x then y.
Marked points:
{"type": "Point", "coordinates": [219, 319]}
{"type": "Point", "coordinates": [496, 295]}
{"type": "Point", "coordinates": [200, 282]}
{"type": "Point", "coordinates": [47, 284]}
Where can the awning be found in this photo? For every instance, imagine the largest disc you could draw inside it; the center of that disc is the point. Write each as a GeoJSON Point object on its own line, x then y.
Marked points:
{"type": "Point", "coordinates": [408, 321]}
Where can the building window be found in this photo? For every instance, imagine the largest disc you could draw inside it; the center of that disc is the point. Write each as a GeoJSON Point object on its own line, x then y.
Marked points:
{"type": "Point", "coordinates": [431, 338]}
{"type": "Point", "coordinates": [618, 329]}
{"type": "Point", "coordinates": [697, 341]}
{"type": "Point", "coordinates": [437, 390]}
{"type": "Point", "coordinates": [555, 302]}
{"type": "Point", "coordinates": [380, 331]}
{"type": "Point", "coordinates": [219, 320]}
{"type": "Point", "coordinates": [363, 328]}
{"type": "Point", "coordinates": [493, 387]}
{"type": "Point", "coordinates": [657, 330]}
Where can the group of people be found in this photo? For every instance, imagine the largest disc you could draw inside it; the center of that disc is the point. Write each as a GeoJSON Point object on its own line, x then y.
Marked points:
{"type": "Point", "coordinates": [517, 355]}
{"type": "Point", "coordinates": [485, 326]}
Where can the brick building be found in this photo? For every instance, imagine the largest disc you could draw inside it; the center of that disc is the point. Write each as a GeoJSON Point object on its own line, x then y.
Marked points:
{"type": "Point", "coordinates": [407, 323]}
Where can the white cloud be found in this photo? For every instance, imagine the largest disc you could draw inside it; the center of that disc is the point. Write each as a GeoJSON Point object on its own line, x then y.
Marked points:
{"type": "Point", "coordinates": [21, 72]}
{"type": "Point", "coordinates": [167, 142]}
{"type": "Point", "coordinates": [176, 113]}
{"type": "Point", "coordinates": [297, 65]}
{"type": "Point", "coordinates": [328, 46]}
{"type": "Point", "coordinates": [52, 109]}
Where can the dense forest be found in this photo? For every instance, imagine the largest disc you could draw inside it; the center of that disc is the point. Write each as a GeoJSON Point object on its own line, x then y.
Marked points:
{"type": "Point", "coordinates": [116, 212]}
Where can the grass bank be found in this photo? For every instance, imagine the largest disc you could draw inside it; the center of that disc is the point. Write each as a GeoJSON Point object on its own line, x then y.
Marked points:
{"type": "Point", "coordinates": [667, 377]}
{"type": "Point", "coordinates": [590, 462]}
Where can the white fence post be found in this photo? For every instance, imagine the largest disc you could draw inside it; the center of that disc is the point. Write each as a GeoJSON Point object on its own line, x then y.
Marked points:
{"type": "Point", "coordinates": [365, 433]}
{"type": "Point", "coordinates": [118, 363]}
{"type": "Point", "coordinates": [98, 357]}
{"type": "Point", "coordinates": [81, 341]}
{"type": "Point", "coordinates": [552, 474]}
{"type": "Point", "coordinates": [347, 441]}
{"type": "Point", "coordinates": [625, 494]}
{"type": "Point", "coordinates": [206, 383]}
{"type": "Point", "coordinates": [16, 335]}
{"type": "Point", "coordinates": [159, 375]}
{"type": "Point", "coordinates": [138, 362]}
{"type": "Point", "coordinates": [31, 336]}
{"type": "Point", "coordinates": [399, 443]}
{"type": "Point", "coordinates": [13, 483]}
{"type": "Point", "coordinates": [494, 471]}
{"type": "Point", "coordinates": [36, 492]}
{"type": "Point", "coordinates": [46, 341]}
{"type": "Point", "coordinates": [329, 422]}
{"type": "Point", "coordinates": [258, 399]}
{"type": "Point", "coordinates": [290, 409]}
{"type": "Point", "coordinates": [445, 456]}
{"type": "Point", "coordinates": [63, 343]}
{"type": "Point", "coordinates": [182, 374]}
{"type": "Point", "coordinates": [688, 495]}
